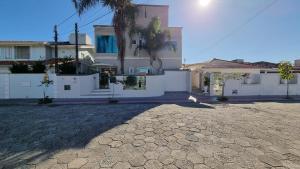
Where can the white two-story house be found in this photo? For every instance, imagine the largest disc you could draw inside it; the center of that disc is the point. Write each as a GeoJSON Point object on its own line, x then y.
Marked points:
{"type": "Point", "coordinates": [28, 52]}
{"type": "Point", "coordinates": [106, 56]}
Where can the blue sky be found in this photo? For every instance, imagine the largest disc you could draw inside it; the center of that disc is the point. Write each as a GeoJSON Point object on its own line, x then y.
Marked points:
{"type": "Point", "coordinates": [211, 32]}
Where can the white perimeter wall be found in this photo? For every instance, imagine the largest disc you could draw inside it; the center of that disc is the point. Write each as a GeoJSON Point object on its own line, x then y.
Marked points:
{"type": "Point", "coordinates": [178, 81]}
{"type": "Point", "coordinates": [154, 87]}
{"type": "Point", "coordinates": [270, 85]}
{"type": "Point", "coordinates": [18, 86]}
{"type": "Point", "coordinates": [80, 85]}
{"type": "Point", "coordinates": [28, 86]}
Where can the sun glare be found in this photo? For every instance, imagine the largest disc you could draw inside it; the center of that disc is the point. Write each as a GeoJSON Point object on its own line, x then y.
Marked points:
{"type": "Point", "coordinates": [204, 3]}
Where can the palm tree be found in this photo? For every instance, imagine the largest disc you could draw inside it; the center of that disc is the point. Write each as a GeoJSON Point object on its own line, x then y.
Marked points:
{"type": "Point", "coordinates": [154, 39]}
{"type": "Point", "coordinates": [124, 17]}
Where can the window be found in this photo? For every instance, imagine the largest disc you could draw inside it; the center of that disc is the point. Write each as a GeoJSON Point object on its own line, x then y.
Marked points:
{"type": "Point", "coordinates": [107, 44]}
{"type": "Point", "coordinates": [6, 53]}
{"type": "Point", "coordinates": [22, 52]}
{"type": "Point", "coordinates": [172, 45]}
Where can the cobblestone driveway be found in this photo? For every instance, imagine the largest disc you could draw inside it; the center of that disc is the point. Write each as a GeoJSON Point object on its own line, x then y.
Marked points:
{"type": "Point", "coordinates": [261, 135]}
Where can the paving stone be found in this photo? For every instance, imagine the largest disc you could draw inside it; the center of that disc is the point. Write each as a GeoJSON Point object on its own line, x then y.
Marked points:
{"type": "Point", "coordinates": [149, 139]}
{"type": "Point", "coordinates": [77, 163]}
{"type": "Point", "coordinates": [178, 154]}
{"type": "Point", "coordinates": [139, 137]}
{"type": "Point", "coordinates": [166, 159]}
{"type": "Point", "coordinates": [104, 140]}
{"type": "Point", "coordinates": [138, 143]}
{"type": "Point", "coordinates": [115, 144]}
{"type": "Point", "coordinates": [200, 166]}
{"type": "Point", "coordinates": [258, 135]}
{"type": "Point", "coordinates": [195, 158]}
{"type": "Point", "coordinates": [66, 158]}
{"type": "Point", "coordinates": [170, 167]}
{"type": "Point", "coordinates": [184, 164]}
{"type": "Point", "coordinates": [122, 165]}
{"type": "Point", "coordinates": [151, 155]}
{"type": "Point", "coordinates": [153, 164]}
{"type": "Point", "coordinates": [137, 161]}
{"type": "Point", "coordinates": [107, 162]}
{"type": "Point", "coordinates": [270, 161]}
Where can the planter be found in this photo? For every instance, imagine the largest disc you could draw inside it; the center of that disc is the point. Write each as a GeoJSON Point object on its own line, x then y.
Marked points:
{"type": "Point", "coordinates": [205, 89]}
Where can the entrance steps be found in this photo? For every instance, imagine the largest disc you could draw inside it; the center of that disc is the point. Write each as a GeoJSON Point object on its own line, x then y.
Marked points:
{"type": "Point", "coordinates": [101, 93]}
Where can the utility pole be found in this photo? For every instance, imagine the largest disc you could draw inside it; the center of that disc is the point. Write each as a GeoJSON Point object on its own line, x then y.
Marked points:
{"type": "Point", "coordinates": [76, 48]}
{"type": "Point", "coordinates": [55, 49]}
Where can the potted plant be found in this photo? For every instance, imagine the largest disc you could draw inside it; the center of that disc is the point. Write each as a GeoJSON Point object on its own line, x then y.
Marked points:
{"type": "Point", "coordinates": [113, 80]}
{"type": "Point", "coordinates": [206, 84]}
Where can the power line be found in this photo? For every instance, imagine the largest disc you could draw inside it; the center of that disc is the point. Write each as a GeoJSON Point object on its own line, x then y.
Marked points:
{"type": "Point", "coordinates": [68, 18]}
{"type": "Point", "coordinates": [240, 27]}
{"type": "Point", "coordinates": [94, 20]}
{"type": "Point", "coordinates": [84, 25]}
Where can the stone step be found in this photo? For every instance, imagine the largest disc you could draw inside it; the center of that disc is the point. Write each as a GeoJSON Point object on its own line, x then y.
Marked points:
{"type": "Point", "coordinates": [101, 91]}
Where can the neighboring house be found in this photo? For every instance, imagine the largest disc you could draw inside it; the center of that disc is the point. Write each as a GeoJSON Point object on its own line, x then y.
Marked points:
{"type": "Point", "coordinates": [29, 52]}
{"type": "Point", "coordinates": [244, 79]}
{"type": "Point", "coordinates": [106, 56]}
{"type": "Point", "coordinates": [22, 51]}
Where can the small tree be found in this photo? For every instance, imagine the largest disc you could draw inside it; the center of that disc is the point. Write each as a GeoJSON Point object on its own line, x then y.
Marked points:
{"type": "Point", "coordinates": [45, 83]}
{"type": "Point", "coordinates": [286, 73]}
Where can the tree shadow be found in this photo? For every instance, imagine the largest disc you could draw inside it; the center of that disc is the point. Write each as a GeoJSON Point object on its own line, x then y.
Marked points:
{"type": "Point", "coordinates": [35, 133]}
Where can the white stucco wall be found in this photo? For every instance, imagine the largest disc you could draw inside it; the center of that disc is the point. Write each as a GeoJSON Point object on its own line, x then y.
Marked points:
{"type": "Point", "coordinates": [270, 85]}
{"type": "Point", "coordinates": [4, 78]}
{"type": "Point", "coordinates": [154, 87]}
{"type": "Point", "coordinates": [18, 86]}
{"type": "Point", "coordinates": [177, 81]}
{"type": "Point", "coordinates": [80, 85]}
{"type": "Point", "coordinates": [28, 86]}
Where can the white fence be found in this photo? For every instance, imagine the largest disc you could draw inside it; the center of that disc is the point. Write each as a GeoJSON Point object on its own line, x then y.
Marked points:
{"type": "Point", "coordinates": [76, 86]}
{"type": "Point", "coordinates": [21, 86]}
{"type": "Point", "coordinates": [269, 86]}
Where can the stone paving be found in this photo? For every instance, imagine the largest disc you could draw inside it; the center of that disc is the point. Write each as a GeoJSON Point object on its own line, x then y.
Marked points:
{"type": "Point", "coordinates": [190, 136]}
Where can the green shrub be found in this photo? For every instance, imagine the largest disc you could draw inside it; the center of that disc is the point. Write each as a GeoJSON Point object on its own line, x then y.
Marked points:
{"type": "Point", "coordinates": [38, 67]}
{"type": "Point", "coordinates": [113, 79]}
{"type": "Point", "coordinates": [19, 68]}
{"type": "Point", "coordinates": [131, 80]}
{"type": "Point", "coordinates": [206, 81]}
{"type": "Point", "coordinates": [104, 80]}
{"type": "Point", "coordinates": [67, 67]}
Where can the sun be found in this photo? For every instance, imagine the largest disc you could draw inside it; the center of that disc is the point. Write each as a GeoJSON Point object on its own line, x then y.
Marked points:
{"type": "Point", "coordinates": [204, 3]}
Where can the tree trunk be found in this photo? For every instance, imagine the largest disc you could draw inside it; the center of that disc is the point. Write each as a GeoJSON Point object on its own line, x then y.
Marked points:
{"type": "Point", "coordinates": [223, 88]}
{"type": "Point", "coordinates": [287, 89]}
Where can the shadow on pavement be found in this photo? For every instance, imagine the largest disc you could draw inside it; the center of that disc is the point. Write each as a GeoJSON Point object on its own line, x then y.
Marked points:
{"type": "Point", "coordinates": [35, 133]}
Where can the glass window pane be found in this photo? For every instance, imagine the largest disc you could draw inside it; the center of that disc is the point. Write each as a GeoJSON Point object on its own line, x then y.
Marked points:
{"type": "Point", "coordinates": [22, 52]}
{"type": "Point", "coordinates": [107, 44]}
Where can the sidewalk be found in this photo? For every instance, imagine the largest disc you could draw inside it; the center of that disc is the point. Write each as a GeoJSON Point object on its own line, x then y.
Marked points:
{"type": "Point", "coordinates": [246, 99]}
{"type": "Point", "coordinates": [168, 98]}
